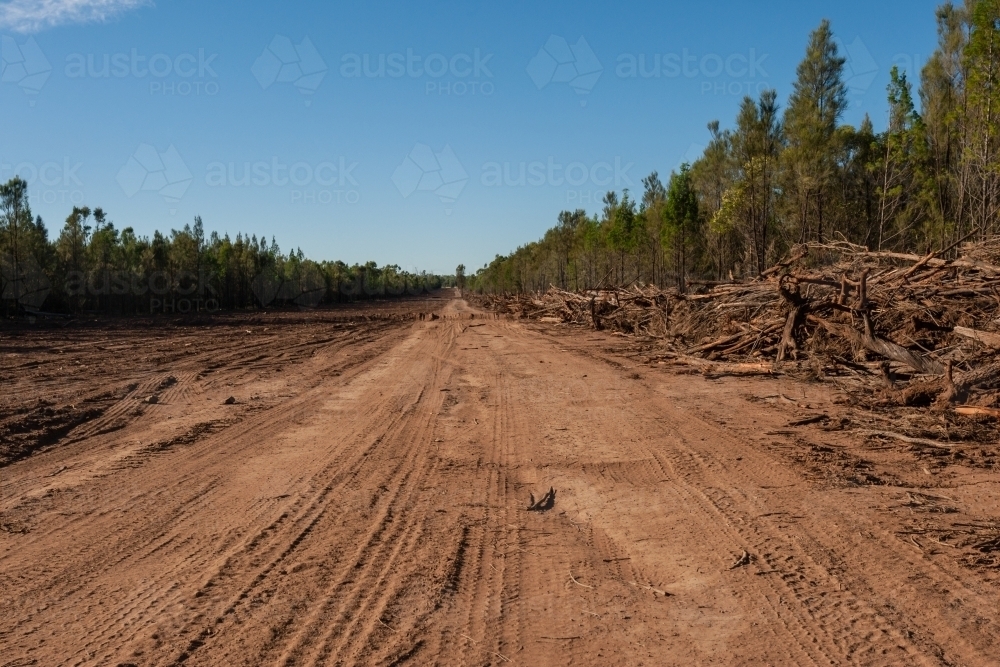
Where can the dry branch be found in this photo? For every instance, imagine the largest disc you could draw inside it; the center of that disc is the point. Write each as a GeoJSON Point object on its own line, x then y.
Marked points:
{"type": "Point", "coordinates": [977, 411]}
{"type": "Point", "coordinates": [884, 348]}
{"type": "Point", "coordinates": [985, 337]}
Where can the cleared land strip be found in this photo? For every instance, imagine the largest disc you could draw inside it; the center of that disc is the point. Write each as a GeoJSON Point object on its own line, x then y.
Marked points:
{"type": "Point", "coordinates": [375, 511]}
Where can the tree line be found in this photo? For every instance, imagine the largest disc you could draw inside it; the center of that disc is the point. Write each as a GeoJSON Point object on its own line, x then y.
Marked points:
{"type": "Point", "coordinates": [797, 174]}
{"type": "Point", "coordinates": [94, 266]}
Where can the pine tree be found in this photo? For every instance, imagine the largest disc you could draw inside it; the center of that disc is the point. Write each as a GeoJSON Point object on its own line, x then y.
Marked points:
{"type": "Point", "coordinates": [15, 232]}
{"type": "Point", "coordinates": [982, 57]}
{"type": "Point", "coordinates": [681, 218]}
{"type": "Point", "coordinates": [896, 156]}
{"type": "Point", "coordinates": [712, 175]}
{"type": "Point", "coordinates": [942, 103]}
{"type": "Point", "coordinates": [756, 148]}
{"type": "Point", "coordinates": [818, 99]}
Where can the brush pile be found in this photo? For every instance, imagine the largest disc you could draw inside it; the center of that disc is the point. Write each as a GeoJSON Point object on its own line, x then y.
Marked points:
{"type": "Point", "coordinates": [916, 330]}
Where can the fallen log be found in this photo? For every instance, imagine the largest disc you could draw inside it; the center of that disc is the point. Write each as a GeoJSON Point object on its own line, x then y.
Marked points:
{"type": "Point", "coordinates": [802, 252]}
{"type": "Point", "coordinates": [882, 347]}
{"type": "Point", "coordinates": [985, 377]}
{"type": "Point", "coordinates": [957, 263]}
{"type": "Point", "coordinates": [913, 441]}
{"type": "Point", "coordinates": [716, 343]}
{"type": "Point", "coordinates": [737, 370]}
{"type": "Point", "coordinates": [710, 283]}
{"type": "Point", "coordinates": [919, 265]}
{"type": "Point", "coordinates": [807, 280]}
{"type": "Point", "coordinates": [985, 337]}
{"type": "Point", "coordinates": [977, 411]}
{"type": "Point", "coordinates": [752, 338]}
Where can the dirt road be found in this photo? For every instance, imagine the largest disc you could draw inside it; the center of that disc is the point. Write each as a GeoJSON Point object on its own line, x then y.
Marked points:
{"type": "Point", "coordinates": [364, 502]}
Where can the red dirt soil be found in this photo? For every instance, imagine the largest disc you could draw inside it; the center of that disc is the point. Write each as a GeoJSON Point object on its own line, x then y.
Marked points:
{"type": "Point", "coordinates": [364, 501]}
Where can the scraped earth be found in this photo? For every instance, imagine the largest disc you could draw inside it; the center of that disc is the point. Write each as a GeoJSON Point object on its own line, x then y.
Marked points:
{"type": "Point", "coordinates": [353, 488]}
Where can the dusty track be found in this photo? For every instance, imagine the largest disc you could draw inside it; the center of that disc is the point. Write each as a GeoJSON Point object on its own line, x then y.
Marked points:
{"type": "Point", "coordinates": [369, 506]}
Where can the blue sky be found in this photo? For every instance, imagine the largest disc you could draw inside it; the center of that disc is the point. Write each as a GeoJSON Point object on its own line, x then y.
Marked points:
{"type": "Point", "coordinates": [421, 134]}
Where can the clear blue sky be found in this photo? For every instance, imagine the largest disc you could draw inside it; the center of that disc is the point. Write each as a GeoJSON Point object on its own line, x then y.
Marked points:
{"type": "Point", "coordinates": [396, 132]}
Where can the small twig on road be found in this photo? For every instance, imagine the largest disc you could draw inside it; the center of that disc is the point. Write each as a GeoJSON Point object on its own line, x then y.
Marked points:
{"type": "Point", "coordinates": [742, 561]}
{"type": "Point", "coordinates": [809, 420]}
{"type": "Point", "coordinates": [649, 588]}
{"type": "Point", "coordinates": [577, 582]}
{"type": "Point", "coordinates": [942, 543]}
{"type": "Point", "coordinates": [913, 441]}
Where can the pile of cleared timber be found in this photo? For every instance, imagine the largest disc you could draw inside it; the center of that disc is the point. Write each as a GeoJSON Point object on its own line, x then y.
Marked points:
{"type": "Point", "coordinates": [917, 330]}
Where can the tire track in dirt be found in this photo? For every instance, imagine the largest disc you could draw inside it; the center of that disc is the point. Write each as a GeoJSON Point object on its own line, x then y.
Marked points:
{"type": "Point", "coordinates": [824, 621]}
{"type": "Point", "coordinates": [464, 547]}
{"type": "Point", "coordinates": [818, 594]}
{"type": "Point", "coordinates": [479, 589]}
{"type": "Point", "coordinates": [374, 511]}
{"type": "Point", "coordinates": [176, 518]}
{"type": "Point", "coordinates": [385, 530]}
{"type": "Point", "coordinates": [314, 511]}
{"type": "Point", "coordinates": [827, 585]}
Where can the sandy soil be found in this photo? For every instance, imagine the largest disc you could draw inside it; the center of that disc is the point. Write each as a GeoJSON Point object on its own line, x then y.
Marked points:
{"type": "Point", "coordinates": [364, 501]}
